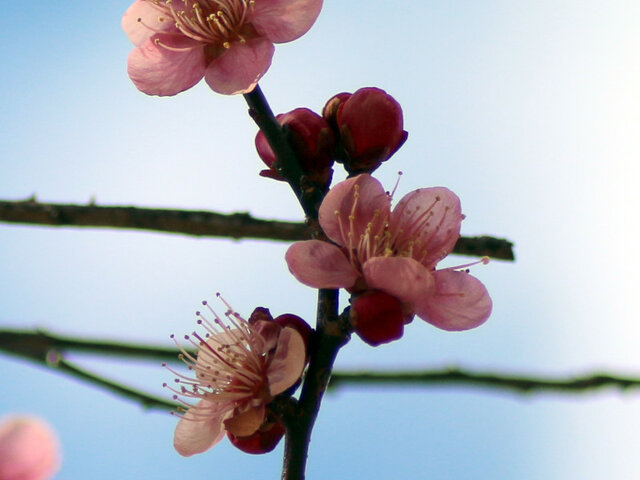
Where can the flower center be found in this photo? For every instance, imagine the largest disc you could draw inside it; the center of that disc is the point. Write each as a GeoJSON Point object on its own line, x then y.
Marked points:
{"type": "Point", "coordinates": [230, 360]}
{"type": "Point", "coordinates": [208, 21]}
{"type": "Point", "coordinates": [382, 239]}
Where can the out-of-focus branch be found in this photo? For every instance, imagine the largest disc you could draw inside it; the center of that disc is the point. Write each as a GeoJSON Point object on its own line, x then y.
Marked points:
{"type": "Point", "coordinates": [197, 223]}
{"type": "Point", "coordinates": [40, 346]}
{"type": "Point", "coordinates": [146, 400]}
{"type": "Point", "coordinates": [49, 350]}
{"type": "Point", "coordinates": [36, 344]}
{"type": "Point", "coordinates": [520, 384]}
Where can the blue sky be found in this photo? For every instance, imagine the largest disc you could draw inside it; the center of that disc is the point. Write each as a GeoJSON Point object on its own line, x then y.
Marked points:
{"type": "Point", "coordinates": [529, 111]}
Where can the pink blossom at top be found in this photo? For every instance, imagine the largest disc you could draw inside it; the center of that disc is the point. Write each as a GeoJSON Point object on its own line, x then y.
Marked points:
{"type": "Point", "coordinates": [29, 449]}
{"type": "Point", "coordinates": [228, 42]}
{"type": "Point", "coordinates": [393, 251]}
{"type": "Point", "coordinates": [239, 368]}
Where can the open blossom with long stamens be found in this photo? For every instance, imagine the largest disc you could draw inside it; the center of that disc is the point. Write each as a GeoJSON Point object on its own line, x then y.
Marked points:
{"type": "Point", "coordinates": [395, 252]}
{"type": "Point", "coordinates": [228, 42]}
{"type": "Point", "coordinates": [240, 366]}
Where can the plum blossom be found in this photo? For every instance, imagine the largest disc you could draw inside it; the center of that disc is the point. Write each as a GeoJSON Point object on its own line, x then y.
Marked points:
{"type": "Point", "coordinates": [395, 252]}
{"type": "Point", "coordinates": [29, 449]}
{"type": "Point", "coordinates": [240, 366]}
{"type": "Point", "coordinates": [228, 42]}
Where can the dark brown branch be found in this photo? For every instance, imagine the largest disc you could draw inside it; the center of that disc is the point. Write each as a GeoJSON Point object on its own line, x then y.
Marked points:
{"type": "Point", "coordinates": [496, 381]}
{"type": "Point", "coordinates": [197, 223]}
{"type": "Point", "coordinates": [186, 222]}
{"type": "Point", "coordinates": [331, 334]}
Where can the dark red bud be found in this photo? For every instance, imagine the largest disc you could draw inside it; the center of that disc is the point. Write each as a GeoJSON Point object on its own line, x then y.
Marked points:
{"type": "Point", "coordinates": [260, 313]}
{"type": "Point", "coordinates": [377, 317]}
{"type": "Point", "coordinates": [330, 110]}
{"type": "Point", "coordinates": [312, 141]}
{"type": "Point", "coordinates": [370, 126]}
{"type": "Point", "coordinates": [263, 441]}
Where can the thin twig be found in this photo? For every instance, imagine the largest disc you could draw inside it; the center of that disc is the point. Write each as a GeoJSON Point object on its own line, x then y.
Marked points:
{"type": "Point", "coordinates": [36, 344]}
{"type": "Point", "coordinates": [519, 384]}
{"type": "Point", "coordinates": [197, 223]}
{"type": "Point", "coordinates": [48, 350]}
{"type": "Point", "coordinates": [146, 400]}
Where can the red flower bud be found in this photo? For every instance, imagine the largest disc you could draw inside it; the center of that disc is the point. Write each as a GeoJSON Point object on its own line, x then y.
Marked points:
{"type": "Point", "coordinates": [330, 110]}
{"type": "Point", "coordinates": [312, 141]}
{"type": "Point", "coordinates": [370, 127]}
{"type": "Point", "coordinates": [377, 317]}
{"type": "Point", "coordinates": [263, 440]}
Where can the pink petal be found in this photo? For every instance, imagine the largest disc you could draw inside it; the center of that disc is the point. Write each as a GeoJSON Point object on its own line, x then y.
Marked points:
{"type": "Point", "coordinates": [142, 20]}
{"type": "Point", "coordinates": [200, 428]}
{"type": "Point", "coordinates": [287, 363]}
{"type": "Point", "coordinates": [459, 302]}
{"type": "Point", "coordinates": [246, 423]}
{"type": "Point", "coordinates": [371, 199]}
{"type": "Point", "coordinates": [430, 217]}
{"type": "Point", "coordinates": [239, 68]}
{"type": "Point", "coordinates": [320, 265]}
{"type": "Point", "coordinates": [401, 277]}
{"type": "Point", "coordinates": [29, 449]}
{"type": "Point", "coordinates": [284, 20]}
{"type": "Point", "coordinates": [157, 71]}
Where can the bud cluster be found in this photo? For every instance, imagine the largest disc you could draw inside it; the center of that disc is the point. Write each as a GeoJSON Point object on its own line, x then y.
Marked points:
{"type": "Point", "coordinates": [360, 130]}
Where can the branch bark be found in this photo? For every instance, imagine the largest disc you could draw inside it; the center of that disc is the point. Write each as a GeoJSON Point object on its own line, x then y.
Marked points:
{"type": "Point", "coordinates": [197, 223]}
{"type": "Point", "coordinates": [48, 350]}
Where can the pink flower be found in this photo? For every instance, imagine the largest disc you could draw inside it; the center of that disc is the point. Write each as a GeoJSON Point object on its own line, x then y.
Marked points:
{"type": "Point", "coordinates": [28, 449]}
{"type": "Point", "coordinates": [239, 368]}
{"type": "Point", "coordinates": [393, 251]}
{"type": "Point", "coordinates": [228, 42]}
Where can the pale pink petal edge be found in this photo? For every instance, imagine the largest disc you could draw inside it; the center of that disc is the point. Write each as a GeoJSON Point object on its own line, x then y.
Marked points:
{"type": "Point", "coordinates": [288, 361]}
{"type": "Point", "coordinates": [460, 302]}
{"type": "Point", "coordinates": [284, 20]}
{"type": "Point", "coordinates": [402, 277]}
{"type": "Point", "coordinates": [196, 436]}
{"type": "Point", "coordinates": [239, 69]}
{"type": "Point", "coordinates": [320, 264]}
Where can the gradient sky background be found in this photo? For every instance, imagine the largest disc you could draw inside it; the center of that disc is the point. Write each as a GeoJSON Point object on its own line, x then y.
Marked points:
{"type": "Point", "coordinates": [529, 110]}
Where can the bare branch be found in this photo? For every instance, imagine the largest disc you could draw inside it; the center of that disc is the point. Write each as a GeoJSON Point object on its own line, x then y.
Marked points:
{"type": "Point", "coordinates": [197, 223]}
{"type": "Point", "coordinates": [48, 350]}
{"type": "Point", "coordinates": [39, 346]}
{"type": "Point", "coordinates": [519, 384]}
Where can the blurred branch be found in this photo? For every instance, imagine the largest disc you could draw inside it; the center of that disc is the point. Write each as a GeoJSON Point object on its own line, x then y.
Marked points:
{"type": "Point", "coordinates": [197, 223]}
{"type": "Point", "coordinates": [496, 381]}
{"type": "Point", "coordinates": [41, 347]}
{"type": "Point", "coordinates": [36, 344]}
{"type": "Point", "coordinates": [48, 350]}
{"type": "Point", "coordinates": [146, 400]}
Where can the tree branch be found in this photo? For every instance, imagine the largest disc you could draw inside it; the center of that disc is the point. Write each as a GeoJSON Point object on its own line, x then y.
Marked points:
{"type": "Point", "coordinates": [48, 350]}
{"type": "Point", "coordinates": [197, 223]}
{"type": "Point", "coordinates": [519, 384]}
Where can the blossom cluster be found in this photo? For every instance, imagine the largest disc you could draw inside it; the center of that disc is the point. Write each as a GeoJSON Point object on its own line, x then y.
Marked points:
{"type": "Point", "coordinates": [385, 257]}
